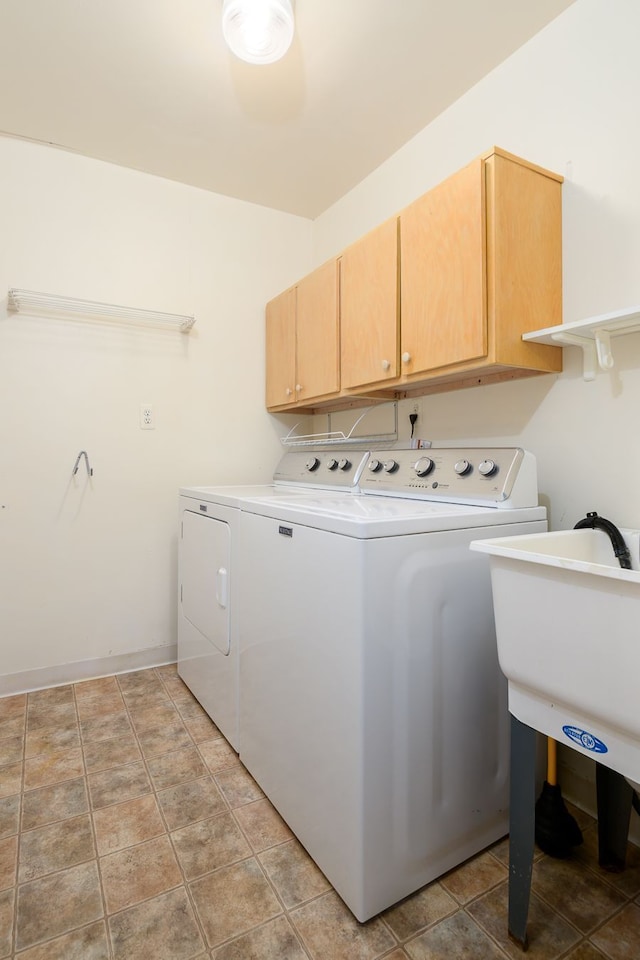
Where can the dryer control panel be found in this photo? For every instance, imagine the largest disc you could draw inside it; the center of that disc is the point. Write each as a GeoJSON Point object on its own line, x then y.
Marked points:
{"type": "Point", "coordinates": [336, 468]}
{"type": "Point", "coordinates": [486, 476]}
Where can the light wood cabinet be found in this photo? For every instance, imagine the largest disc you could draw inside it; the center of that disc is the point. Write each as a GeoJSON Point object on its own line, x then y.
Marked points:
{"type": "Point", "coordinates": [369, 308]}
{"type": "Point", "coordinates": [302, 341]}
{"type": "Point", "coordinates": [481, 264]}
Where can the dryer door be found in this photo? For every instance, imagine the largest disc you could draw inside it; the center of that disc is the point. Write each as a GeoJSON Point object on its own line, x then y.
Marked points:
{"type": "Point", "coordinates": [204, 568]}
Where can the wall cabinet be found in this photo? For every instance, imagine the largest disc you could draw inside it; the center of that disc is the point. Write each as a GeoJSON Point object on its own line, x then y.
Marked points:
{"type": "Point", "coordinates": [440, 296]}
{"type": "Point", "coordinates": [302, 341]}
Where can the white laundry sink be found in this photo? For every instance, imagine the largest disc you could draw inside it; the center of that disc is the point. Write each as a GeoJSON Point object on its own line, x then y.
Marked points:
{"type": "Point", "coordinates": [568, 631]}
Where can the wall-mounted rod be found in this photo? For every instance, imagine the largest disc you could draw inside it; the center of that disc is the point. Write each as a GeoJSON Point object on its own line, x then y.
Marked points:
{"type": "Point", "coordinates": [83, 453]}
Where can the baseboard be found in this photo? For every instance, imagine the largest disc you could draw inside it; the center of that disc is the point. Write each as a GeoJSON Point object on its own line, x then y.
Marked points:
{"type": "Point", "coordinates": [56, 676]}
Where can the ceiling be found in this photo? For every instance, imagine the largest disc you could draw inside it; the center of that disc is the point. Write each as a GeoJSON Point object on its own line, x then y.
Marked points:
{"type": "Point", "coordinates": [149, 84]}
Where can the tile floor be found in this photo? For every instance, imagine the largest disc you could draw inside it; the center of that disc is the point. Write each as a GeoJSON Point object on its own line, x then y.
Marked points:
{"type": "Point", "coordinates": [129, 829]}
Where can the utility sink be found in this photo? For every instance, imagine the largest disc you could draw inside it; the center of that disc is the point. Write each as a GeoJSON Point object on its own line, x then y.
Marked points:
{"type": "Point", "coordinates": [568, 630]}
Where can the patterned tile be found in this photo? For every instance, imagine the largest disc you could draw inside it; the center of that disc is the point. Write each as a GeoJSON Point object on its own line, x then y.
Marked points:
{"type": "Point", "coordinates": [238, 786]}
{"type": "Point", "coordinates": [101, 687]}
{"type": "Point", "coordinates": [163, 928]}
{"type": "Point", "coordinates": [57, 802]}
{"type": "Point", "coordinates": [474, 877]}
{"type": "Point", "coordinates": [53, 767]}
{"type": "Point", "coordinates": [218, 754]}
{"type": "Point", "coordinates": [188, 802]}
{"type": "Point", "coordinates": [619, 939]}
{"type": "Point", "coordinates": [328, 929]}
{"type": "Point", "coordinates": [293, 873]}
{"type": "Point", "coordinates": [54, 847]}
{"type": "Point", "coordinates": [105, 728]}
{"type": "Point", "coordinates": [456, 938]}
{"type": "Point", "coordinates": [76, 895]}
{"type": "Point", "coordinates": [262, 825]}
{"type": "Point", "coordinates": [8, 862]}
{"type": "Point", "coordinates": [11, 707]}
{"type": "Point", "coordinates": [88, 943]}
{"type": "Point", "coordinates": [176, 767]}
{"type": "Point", "coordinates": [50, 697]}
{"type": "Point", "coordinates": [275, 940]}
{"type": "Point", "coordinates": [10, 779]}
{"type": "Point", "coordinates": [11, 750]}
{"type": "Point", "coordinates": [111, 753]}
{"type": "Point", "coordinates": [6, 922]}
{"type": "Point", "coordinates": [9, 816]}
{"type": "Point", "coordinates": [102, 706]}
{"type": "Point", "coordinates": [62, 716]}
{"type": "Point", "coordinates": [124, 824]}
{"type": "Point", "coordinates": [51, 740]}
{"type": "Point", "coordinates": [419, 911]}
{"type": "Point", "coordinates": [209, 844]}
{"type": "Point", "coordinates": [139, 873]}
{"type": "Point", "coordinates": [117, 784]}
{"type": "Point", "coordinates": [578, 894]}
{"type": "Point", "coordinates": [232, 900]}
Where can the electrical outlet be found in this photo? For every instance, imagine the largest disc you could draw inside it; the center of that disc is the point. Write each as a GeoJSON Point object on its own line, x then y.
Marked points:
{"type": "Point", "coordinates": [147, 419]}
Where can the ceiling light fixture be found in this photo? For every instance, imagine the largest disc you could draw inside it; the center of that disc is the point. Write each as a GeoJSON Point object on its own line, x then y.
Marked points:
{"type": "Point", "coordinates": [258, 31]}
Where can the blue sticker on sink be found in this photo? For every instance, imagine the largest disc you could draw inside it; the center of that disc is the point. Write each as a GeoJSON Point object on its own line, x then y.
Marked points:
{"type": "Point", "coordinates": [585, 739]}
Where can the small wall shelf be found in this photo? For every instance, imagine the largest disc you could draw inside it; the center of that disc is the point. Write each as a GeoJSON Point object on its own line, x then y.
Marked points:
{"type": "Point", "coordinates": [45, 305]}
{"type": "Point", "coordinates": [593, 336]}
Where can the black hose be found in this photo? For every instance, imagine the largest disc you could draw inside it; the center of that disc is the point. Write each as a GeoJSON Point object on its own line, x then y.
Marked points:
{"type": "Point", "coordinates": [620, 548]}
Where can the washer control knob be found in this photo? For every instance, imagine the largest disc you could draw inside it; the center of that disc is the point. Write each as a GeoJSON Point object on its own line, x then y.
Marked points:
{"type": "Point", "coordinates": [488, 467]}
{"type": "Point", "coordinates": [312, 464]}
{"type": "Point", "coordinates": [344, 464]}
{"type": "Point", "coordinates": [424, 466]}
{"type": "Point", "coordinates": [375, 465]}
{"type": "Point", "coordinates": [390, 466]}
{"type": "Point", "coordinates": [332, 464]}
{"type": "Point", "coordinates": [462, 468]}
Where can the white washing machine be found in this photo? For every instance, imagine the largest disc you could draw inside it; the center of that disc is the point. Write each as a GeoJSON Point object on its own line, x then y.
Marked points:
{"type": "Point", "coordinates": [208, 610]}
{"type": "Point", "coordinates": [373, 712]}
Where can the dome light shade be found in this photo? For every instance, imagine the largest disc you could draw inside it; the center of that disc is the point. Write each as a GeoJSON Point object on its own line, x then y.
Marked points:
{"type": "Point", "coordinates": [258, 31]}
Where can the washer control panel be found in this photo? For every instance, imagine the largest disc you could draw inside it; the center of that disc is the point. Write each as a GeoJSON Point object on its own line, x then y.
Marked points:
{"type": "Point", "coordinates": [322, 468]}
{"type": "Point", "coordinates": [477, 475]}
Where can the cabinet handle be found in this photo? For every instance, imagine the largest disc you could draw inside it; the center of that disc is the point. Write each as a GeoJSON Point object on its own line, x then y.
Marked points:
{"type": "Point", "coordinates": [288, 391]}
{"type": "Point", "coordinates": [406, 357]}
{"type": "Point", "coordinates": [386, 364]}
{"type": "Point", "coordinates": [298, 388]}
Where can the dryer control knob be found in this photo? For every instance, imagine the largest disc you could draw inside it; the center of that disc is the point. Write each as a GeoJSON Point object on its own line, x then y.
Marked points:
{"type": "Point", "coordinates": [312, 464]}
{"type": "Point", "coordinates": [488, 467]}
{"type": "Point", "coordinates": [332, 464]}
{"type": "Point", "coordinates": [375, 465]}
{"type": "Point", "coordinates": [424, 466]}
{"type": "Point", "coordinates": [462, 468]}
{"type": "Point", "coordinates": [390, 466]}
{"type": "Point", "coordinates": [344, 464]}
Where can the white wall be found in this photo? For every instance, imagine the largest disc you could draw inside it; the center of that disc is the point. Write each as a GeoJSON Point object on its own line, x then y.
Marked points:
{"type": "Point", "coordinates": [568, 100]}
{"type": "Point", "coordinates": [88, 567]}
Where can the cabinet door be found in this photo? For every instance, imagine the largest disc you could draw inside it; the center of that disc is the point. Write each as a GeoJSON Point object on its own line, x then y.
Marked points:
{"type": "Point", "coordinates": [281, 349]}
{"type": "Point", "coordinates": [369, 308]}
{"type": "Point", "coordinates": [317, 333]}
{"type": "Point", "coordinates": [443, 274]}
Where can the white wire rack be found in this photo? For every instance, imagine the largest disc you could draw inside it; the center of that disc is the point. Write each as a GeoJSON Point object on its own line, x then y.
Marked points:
{"type": "Point", "coordinates": [336, 437]}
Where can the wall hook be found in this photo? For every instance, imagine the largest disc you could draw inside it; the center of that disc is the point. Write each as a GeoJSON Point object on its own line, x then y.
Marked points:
{"type": "Point", "coordinates": [83, 453]}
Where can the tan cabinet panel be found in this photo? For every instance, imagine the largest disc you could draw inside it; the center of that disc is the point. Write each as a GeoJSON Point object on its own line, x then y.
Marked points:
{"type": "Point", "coordinates": [443, 290]}
{"type": "Point", "coordinates": [317, 333]}
{"type": "Point", "coordinates": [281, 349]}
{"type": "Point", "coordinates": [369, 308]}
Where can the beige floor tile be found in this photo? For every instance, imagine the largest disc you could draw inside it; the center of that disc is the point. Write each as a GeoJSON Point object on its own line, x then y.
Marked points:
{"type": "Point", "coordinates": [619, 939]}
{"type": "Point", "coordinates": [578, 894]}
{"type": "Point", "coordinates": [276, 940]}
{"type": "Point", "coordinates": [6, 921]}
{"type": "Point", "coordinates": [55, 847]}
{"type": "Point", "coordinates": [62, 716]}
{"type": "Point", "coordinates": [60, 801]}
{"type": "Point", "coordinates": [585, 951]}
{"type": "Point", "coordinates": [14, 726]}
{"type": "Point", "coordinates": [176, 767]}
{"type": "Point", "coordinates": [118, 784]}
{"type": "Point", "coordinates": [177, 689]}
{"type": "Point", "coordinates": [293, 873]}
{"type": "Point", "coordinates": [111, 753]}
{"type": "Point", "coordinates": [167, 670]}
{"type": "Point", "coordinates": [474, 877]}
{"type": "Point", "coordinates": [11, 707]}
{"type": "Point", "coordinates": [100, 687]}
{"type": "Point", "coordinates": [102, 706]}
{"type": "Point", "coordinates": [218, 754]}
{"type": "Point", "coordinates": [209, 844]}
{"type": "Point", "coordinates": [455, 938]}
{"type": "Point", "coordinates": [150, 718]}
{"type": "Point", "coordinates": [201, 728]}
{"type": "Point", "coordinates": [549, 935]}
{"type": "Point", "coordinates": [262, 825]}
{"type": "Point", "coordinates": [628, 880]}
{"type": "Point", "coordinates": [10, 779]}
{"type": "Point", "coordinates": [51, 740]}
{"type": "Point", "coordinates": [53, 767]}
{"type": "Point", "coordinates": [146, 696]}
{"type": "Point", "coordinates": [108, 727]}
{"type": "Point", "coordinates": [88, 943]}
{"type": "Point", "coordinates": [139, 873]}
{"type": "Point", "coordinates": [232, 900]}
{"type": "Point", "coordinates": [188, 802]}
{"type": "Point", "coordinates": [328, 929]}
{"type": "Point", "coordinates": [58, 903]}
{"type": "Point", "coordinates": [8, 862]}
{"type": "Point", "coordinates": [124, 824]}
{"type": "Point", "coordinates": [419, 911]}
{"type": "Point", "coordinates": [11, 750]}
{"type": "Point", "coordinates": [9, 816]}
{"type": "Point", "coordinates": [160, 929]}
{"type": "Point", "coordinates": [172, 737]}
{"type": "Point", "coordinates": [238, 786]}
{"type": "Point", "coordinates": [190, 709]}
{"type": "Point", "coordinates": [50, 696]}
{"type": "Point", "coordinates": [137, 680]}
